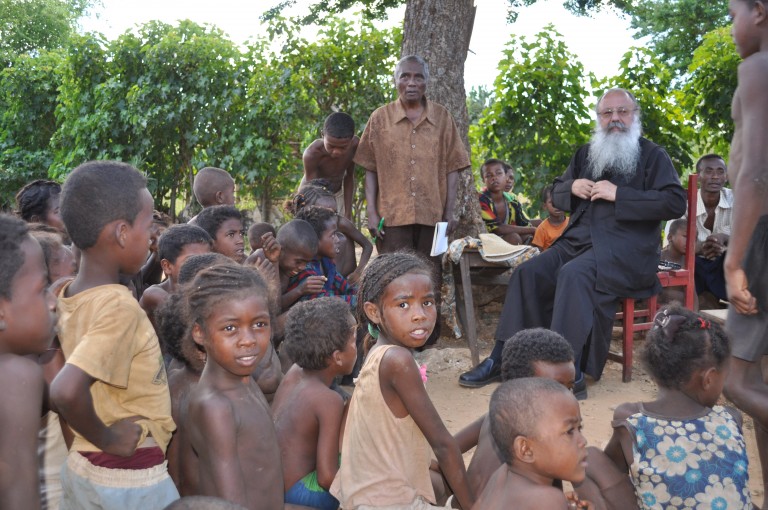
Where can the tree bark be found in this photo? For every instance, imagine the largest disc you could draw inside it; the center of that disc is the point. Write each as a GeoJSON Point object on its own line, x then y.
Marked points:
{"type": "Point", "coordinates": [439, 31]}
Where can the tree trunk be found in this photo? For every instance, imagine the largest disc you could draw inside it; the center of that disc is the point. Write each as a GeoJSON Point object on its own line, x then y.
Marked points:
{"type": "Point", "coordinates": [439, 31]}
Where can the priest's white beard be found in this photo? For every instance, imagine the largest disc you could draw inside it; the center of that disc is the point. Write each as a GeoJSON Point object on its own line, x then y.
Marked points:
{"type": "Point", "coordinates": [617, 152]}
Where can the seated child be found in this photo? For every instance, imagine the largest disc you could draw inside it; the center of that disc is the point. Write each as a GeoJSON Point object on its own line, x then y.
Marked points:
{"type": "Point", "coordinates": [113, 390]}
{"type": "Point", "coordinates": [224, 224]}
{"type": "Point", "coordinates": [255, 233]}
{"type": "Point", "coordinates": [325, 222]}
{"type": "Point", "coordinates": [214, 186]}
{"type": "Point", "coordinates": [330, 158]}
{"type": "Point", "coordinates": [320, 338]}
{"type": "Point", "coordinates": [315, 193]}
{"type": "Point", "coordinates": [230, 424]}
{"type": "Point", "coordinates": [551, 228]}
{"type": "Point", "coordinates": [534, 352]}
{"type": "Point", "coordinates": [38, 202]}
{"type": "Point", "coordinates": [675, 252]}
{"type": "Point", "coordinates": [501, 213]}
{"type": "Point", "coordinates": [27, 326]}
{"type": "Point", "coordinates": [682, 449]}
{"type": "Point", "coordinates": [298, 246]}
{"type": "Point", "coordinates": [510, 177]}
{"type": "Point", "coordinates": [174, 246]}
{"type": "Point", "coordinates": [392, 426]}
{"type": "Point", "coordinates": [536, 423]}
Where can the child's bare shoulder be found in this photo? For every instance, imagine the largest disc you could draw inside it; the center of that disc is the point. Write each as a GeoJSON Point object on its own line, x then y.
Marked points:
{"type": "Point", "coordinates": [625, 410]}
{"type": "Point", "coordinates": [20, 373]}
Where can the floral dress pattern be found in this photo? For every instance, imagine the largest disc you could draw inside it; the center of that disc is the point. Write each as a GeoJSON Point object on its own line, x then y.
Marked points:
{"type": "Point", "coordinates": [698, 463]}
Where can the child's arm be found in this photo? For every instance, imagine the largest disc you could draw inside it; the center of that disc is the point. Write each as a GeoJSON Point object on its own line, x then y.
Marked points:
{"type": "Point", "coordinates": [347, 228]}
{"type": "Point", "coordinates": [306, 282]}
{"type": "Point", "coordinates": [310, 159]}
{"type": "Point", "coordinates": [468, 437]}
{"type": "Point", "coordinates": [214, 438]}
{"type": "Point", "coordinates": [71, 393]}
{"type": "Point", "coordinates": [619, 447]}
{"type": "Point", "coordinates": [349, 189]}
{"type": "Point", "coordinates": [270, 247]}
{"type": "Point", "coordinates": [19, 422]}
{"type": "Point", "coordinates": [400, 374]}
{"type": "Point", "coordinates": [329, 415]}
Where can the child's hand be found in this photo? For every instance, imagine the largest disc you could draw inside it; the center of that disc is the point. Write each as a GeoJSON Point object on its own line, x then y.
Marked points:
{"type": "Point", "coordinates": [313, 284]}
{"type": "Point", "coordinates": [355, 275]}
{"type": "Point", "coordinates": [124, 436]}
{"type": "Point", "coordinates": [266, 268]}
{"type": "Point", "coordinates": [271, 247]}
{"type": "Point", "coordinates": [578, 504]}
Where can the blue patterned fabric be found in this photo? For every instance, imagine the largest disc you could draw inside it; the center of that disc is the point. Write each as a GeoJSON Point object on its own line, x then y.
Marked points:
{"type": "Point", "coordinates": [696, 463]}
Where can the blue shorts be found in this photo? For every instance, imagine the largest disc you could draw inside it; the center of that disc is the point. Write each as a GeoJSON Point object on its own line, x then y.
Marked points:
{"type": "Point", "coordinates": [307, 492]}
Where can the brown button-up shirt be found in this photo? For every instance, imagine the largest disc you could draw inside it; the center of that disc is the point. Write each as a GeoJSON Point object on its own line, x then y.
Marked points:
{"type": "Point", "coordinates": [411, 161]}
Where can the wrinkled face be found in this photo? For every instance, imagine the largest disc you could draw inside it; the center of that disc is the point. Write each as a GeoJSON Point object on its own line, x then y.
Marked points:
{"type": "Point", "coordinates": [336, 147]}
{"type": "Point", "coordinates": [407, 312]}
{"type": "Point", "coordinates": [328, 245]}
{"type": "Point", "coordinates": [236, 334]}
{"type": "Point", "coordinates": [294, 260]}
{"type": "Point", "coordinates": [138, 237]}
{"type": "Point", "coordinates": [564, 373]}
{"type": "Point", "coordinates": [712, 175]}
{"type": "Point", "coordinates": [554, 212]}
{"type": "Point", "coordinates": [62, 264]}
{"type": "Point", "coordinates": [411, 82]}
{"type": "Point", "coordinates": [30, 314]}
{"type": "Point", "coordinates": [678, 240]}
{"type": "Point", "coordinates": [559, 448]}
{"type": "Point", "coordinates": [495, 177]}
{"type": "Point", "coordinates": [616, 112]}
{"type": "Point", "coordinates": [230, 240]}
{"type": "Point", "coordinates": [744, 31]}
{"type": "Point", "coordinates": [53, 214]}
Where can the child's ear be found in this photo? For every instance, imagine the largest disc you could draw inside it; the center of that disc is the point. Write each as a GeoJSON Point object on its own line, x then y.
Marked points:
{"type": "Point", "coordinates": [121, 233]}
{"type": "Point", "coordinates": [219, 197]}
{"type": "Point", "coordinates": [760, 12]}
{"type": "Point", "coordinates": [372, 312]}
{"type": "Point", "coordinates": [336, 358]}
{"type": "Point", "coordinates": [522, 451]}
{"type": "Point", "coordinates": [708, 377]}
{"type": "Point", "coordinates": [198, 335]}
{"type": "Point", "coordinates": [167, 266]}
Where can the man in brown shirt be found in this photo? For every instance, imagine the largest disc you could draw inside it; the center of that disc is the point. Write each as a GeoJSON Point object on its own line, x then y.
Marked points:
{"type": "Point", "coordinates": [412, 152]}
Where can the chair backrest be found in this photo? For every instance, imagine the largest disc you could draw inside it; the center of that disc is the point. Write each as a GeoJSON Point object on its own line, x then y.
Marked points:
{"type": "Point", "coordinates": [690, 227]}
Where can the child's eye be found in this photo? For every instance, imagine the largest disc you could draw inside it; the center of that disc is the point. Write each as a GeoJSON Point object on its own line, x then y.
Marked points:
{"type": "Point", "coordinates": [403, 305]}
{"type": "Point", "coordinates": [429, 302]}
{"type": "Point", "coordinates": [261, 324]}
{"type": "Point", "coordinates": [229, 328]}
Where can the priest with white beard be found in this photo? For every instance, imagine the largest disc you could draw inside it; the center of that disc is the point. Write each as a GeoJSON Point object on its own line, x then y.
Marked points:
{"type": "Point", "coordinates": [618, 188]}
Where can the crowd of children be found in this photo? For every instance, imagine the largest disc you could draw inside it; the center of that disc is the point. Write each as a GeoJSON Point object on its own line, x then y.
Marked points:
{"type": "Point", "coordinates": [219, 384]}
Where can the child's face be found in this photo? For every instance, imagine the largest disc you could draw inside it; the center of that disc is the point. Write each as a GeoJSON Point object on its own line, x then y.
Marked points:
{"type": "Point", "coordinates": [62, 264]}
{"type": "Point", "coordinates": [237, 333]}
{"type": "Point", "coordinates": [228, 195]}
{"type": "Point", "coordinates": [510, 180]}
{"type": "Point", "coordinates": [53, 214]}
{"type": "Point", "coordinates": [328, 244]}
{"type": "Point", "coordinates": [559, 448]}
{"type": "Point", "coordinates": [564, 373]}
{"type": "Point", "coordinates": [30, 314]}
{"type": "Point", "coordinates": [495, 177]}
{"type": "Point", "coordinates": [678, 240]}
{"type": "Point", "coordinates": [136, 243]}
{"type": "Point", "coordinates": [407, 313]}
{"type": "Point", "coordinates": [293, 260]}
{"type": "Point", "coordinates": [745, 32]}
{"type": "Point", "coordinates": [349, 354]}
{"type": "Point", "coordinates": [229, 240]}
{"type": "Point", "coordinates": [554, 212]}
{"type": "Point", "coordinates": [172, 269]}
{"type": "Point", "coordinates": [336, 147]}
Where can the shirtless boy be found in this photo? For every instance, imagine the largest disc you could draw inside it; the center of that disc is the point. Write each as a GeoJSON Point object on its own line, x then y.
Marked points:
{"type": "Point", "coordinates": [331, 158]}
{"type": "Point", "coordinates": [745, 275]}
{"type": "Point", "coordinates": [541, 444]}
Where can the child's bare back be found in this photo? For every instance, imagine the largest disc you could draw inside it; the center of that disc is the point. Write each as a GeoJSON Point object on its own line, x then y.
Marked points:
{"type": "Point", "coordinates": [506, 486]}
{"type": "Point", "coordinates": [320, 164]}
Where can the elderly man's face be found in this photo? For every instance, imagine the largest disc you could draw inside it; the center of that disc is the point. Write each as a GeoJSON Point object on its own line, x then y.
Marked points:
{"type": "Point", "coordinates": [411, 82]}
{"type": "Point", "coordinates": [616, 112]}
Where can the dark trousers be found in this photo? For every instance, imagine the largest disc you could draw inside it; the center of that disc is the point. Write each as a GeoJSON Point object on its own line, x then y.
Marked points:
{"type": "Point", "coordinates": [556, 290]}
{"type": "Point", "coordinates": [416, 238]}
{"type": "Point", "coordinates": [709, 276]}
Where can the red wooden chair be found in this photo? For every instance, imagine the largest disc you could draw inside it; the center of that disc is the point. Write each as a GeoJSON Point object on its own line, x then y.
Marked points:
{"type": "Point", "coordinates": [633, 319]}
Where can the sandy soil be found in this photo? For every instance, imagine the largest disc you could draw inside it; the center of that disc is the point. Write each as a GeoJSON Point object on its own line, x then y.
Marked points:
{"type": "Point", "coordinates": [460, 406]}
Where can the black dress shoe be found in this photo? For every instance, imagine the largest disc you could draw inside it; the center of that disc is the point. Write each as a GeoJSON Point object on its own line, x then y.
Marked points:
{"type": "Point", "coordinates": [580, 388]}
{"type": "Point", "coordinates": [486, 372]}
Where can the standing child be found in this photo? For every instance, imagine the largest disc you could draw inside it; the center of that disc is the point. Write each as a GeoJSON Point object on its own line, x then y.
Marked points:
{"type": "Point", "coordinates": [551, 228]}
{"type": "Point", "coordinates": [320, 338]}
{"type": "Point", "coordinates": [540, 445]}
{"type": "Point", "coordinates": [230, 425]}
{"type": "Point", "coordinates": [330, 158]}
{"type": "Point", "coordinates": [224, 224]}
{"type": "Point", "coordinates": [325, 222]}
{"type": "Point", "coordinates": [501, 213]}
{"type": "Point", "coordinates": [38, 202]}
{"type": "Point", "coordinates": [392, 426]}
{"type": "Point", "coordinates": [113, 390]}
{"type": "Point", "coordinates": [744, 266]}
{"type": "Point", "coordinates": [315, 193]}
{"type": "Point", "coordinates": [681, 449]}
{"type": "Point", "coordinates": [174, 246]}
{"type": "Point", "coordinates": [27, 322]}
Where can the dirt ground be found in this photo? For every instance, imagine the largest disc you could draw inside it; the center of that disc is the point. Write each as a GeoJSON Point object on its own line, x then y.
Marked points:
{"type": "Point", "coordinates": [460, 406]}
